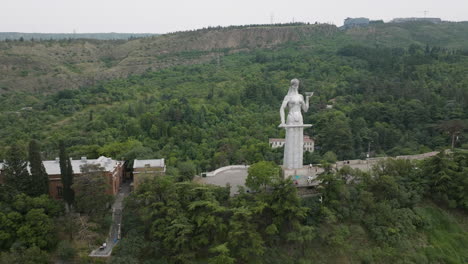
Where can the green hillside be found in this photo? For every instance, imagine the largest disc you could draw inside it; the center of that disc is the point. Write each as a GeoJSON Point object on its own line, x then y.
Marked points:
{"type": "Point", "coordinates": [447, 35]}
{"type": "Point", "coordinates": [209, 98]}
{"type": "Point", "coordinates": [398, 100]}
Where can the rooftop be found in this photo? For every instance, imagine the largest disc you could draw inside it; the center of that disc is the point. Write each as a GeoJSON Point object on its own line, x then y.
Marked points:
{"type": "Point", "coordinates": [53, 166]}
{"type": "Point", "coordinates": [276, 139]}
{"type": "Point", "coordinates": [148, 163]}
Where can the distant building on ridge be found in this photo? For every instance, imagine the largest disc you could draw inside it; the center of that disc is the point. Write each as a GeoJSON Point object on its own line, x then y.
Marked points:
{"type": "Point", "coordinates": [434, 20]}
{"type": "Point", "coordinates": [355, 22]}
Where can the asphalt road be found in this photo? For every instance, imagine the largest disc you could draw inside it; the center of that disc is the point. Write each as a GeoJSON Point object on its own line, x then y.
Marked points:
{"type": "Point", "coordinates": [113, 238]}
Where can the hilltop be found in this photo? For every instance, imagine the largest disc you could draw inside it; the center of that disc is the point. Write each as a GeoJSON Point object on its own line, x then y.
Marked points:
{"type": "Point", "coordinates": [47, 66]}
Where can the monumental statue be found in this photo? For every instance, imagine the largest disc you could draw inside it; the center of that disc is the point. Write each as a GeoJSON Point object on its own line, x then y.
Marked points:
{"type": "Point", "coordinates": [293, 147]}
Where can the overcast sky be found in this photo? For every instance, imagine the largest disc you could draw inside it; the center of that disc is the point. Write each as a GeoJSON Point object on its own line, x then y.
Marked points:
{"type": "Point", "coordinates": [161, 16]}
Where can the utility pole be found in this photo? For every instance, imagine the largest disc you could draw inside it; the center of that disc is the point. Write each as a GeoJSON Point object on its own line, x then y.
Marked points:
{"type": "Point", "coordinates": [368, 153]}
{"type": "Point", "coordinates": [455, 138]}
{"type": "Point", "coordinates": [368, 149]}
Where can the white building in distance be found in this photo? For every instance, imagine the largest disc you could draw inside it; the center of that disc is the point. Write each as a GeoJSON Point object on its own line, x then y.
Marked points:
{"type": "Point", "coordinates": [279, 142]}
{"type": "Point", "coordinates": [434, 20]}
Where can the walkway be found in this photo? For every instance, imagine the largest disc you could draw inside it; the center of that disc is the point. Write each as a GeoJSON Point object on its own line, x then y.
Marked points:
{"type": "Point", "coordinates": [235, 178]}
{"type": "Point", "coordinates": [113, 238]}
{"type": "Point", "coordinates": [237, 175]}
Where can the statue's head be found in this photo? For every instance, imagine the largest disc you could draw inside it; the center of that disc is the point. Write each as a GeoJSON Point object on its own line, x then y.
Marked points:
{"type": "Point", "coordinates": [294, 88]}
{"type": "Point", "coordinates": [295, 82]}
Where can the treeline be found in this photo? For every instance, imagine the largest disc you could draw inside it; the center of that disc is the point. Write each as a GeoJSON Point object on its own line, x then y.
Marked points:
{"type": "Point", "coordinates": [244, 26]}
{"type": "Point", "coordinates": [18, 36]}
{"type": "Point", "coordinates": [374, 217]}
{"type": "Point", "coordinates": [27, 214]}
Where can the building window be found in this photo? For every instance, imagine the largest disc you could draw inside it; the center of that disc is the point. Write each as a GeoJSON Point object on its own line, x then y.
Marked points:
{"type": "Point", "coordinates": [59, 191]}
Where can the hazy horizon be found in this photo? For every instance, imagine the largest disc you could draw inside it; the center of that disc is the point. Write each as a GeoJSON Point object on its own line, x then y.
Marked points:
{"type": "Point", "coordinates": [145, 16]}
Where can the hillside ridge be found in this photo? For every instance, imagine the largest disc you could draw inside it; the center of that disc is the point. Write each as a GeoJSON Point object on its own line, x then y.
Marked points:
{"type": "Point", "coordinates": [47, 66]}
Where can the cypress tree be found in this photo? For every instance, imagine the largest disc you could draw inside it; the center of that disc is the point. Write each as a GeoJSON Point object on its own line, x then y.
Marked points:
{"type": "Point", "coordinates": [66, 172]}
{"type": "Point", "coordinates": [40, 179]}
{"type": "Point", "coordinates": [16, 170]}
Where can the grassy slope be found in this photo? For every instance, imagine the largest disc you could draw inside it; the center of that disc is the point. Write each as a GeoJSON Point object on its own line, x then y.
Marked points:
{"type": "Point", "coordinates": [447, 235]}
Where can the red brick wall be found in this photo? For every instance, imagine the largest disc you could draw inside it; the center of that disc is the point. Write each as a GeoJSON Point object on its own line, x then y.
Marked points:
{"type": "Point", "coordinates": [112, 182]}
{"type": "Point", "coordinates": [54, 182]}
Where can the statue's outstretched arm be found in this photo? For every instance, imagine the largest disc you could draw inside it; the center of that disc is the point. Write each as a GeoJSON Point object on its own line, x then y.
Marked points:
{"type": "Point", "coordinates": [305, 105]}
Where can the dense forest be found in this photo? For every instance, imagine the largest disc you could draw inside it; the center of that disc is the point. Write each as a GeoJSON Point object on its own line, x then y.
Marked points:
{"type": "Point", "coordinates": [394, 100]}
{"type": "Point", "coordinates": [373, 95]}
{"type": "Point", "coordinates": [386, 216]}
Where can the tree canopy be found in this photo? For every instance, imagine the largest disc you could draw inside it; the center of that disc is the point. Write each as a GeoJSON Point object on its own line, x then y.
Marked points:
{"type": "Point", "coordinates": [261, 175]}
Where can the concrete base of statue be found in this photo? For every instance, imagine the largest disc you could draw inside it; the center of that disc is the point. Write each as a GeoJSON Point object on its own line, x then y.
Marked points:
{"type": "Point", "coordinates": [303, 171]}
{"type": "Point", "coordinates": [303, 177]}
{"type": "Point", "coordinates": [294, 146]}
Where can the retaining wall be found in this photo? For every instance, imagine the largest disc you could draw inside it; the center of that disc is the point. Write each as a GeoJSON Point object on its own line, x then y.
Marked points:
{"type": "Point", "coordinates": [222, 169]}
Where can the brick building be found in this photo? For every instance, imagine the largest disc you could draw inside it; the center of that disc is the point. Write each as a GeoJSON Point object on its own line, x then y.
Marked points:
{"type": "Point", "coordinates": [113, 172]}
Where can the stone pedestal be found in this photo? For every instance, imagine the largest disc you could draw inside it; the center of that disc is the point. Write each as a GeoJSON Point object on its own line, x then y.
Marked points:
{"type": "Point", "coordinates": [303, 177]}
{"type": "Point", "coordinates": [303, 171]}
{"type": "Point", "coordinates": [294, 146]}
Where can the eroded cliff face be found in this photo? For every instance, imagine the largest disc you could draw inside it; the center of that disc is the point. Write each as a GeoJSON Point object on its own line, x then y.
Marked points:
{"type": "Point", "coordinates": [48, 66]}
{"type": "Point", "coordinates": [249, 37]}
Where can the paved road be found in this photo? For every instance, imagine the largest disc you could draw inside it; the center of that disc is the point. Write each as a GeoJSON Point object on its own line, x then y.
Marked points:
{"type": "Point", "coordinates": [113, 238]}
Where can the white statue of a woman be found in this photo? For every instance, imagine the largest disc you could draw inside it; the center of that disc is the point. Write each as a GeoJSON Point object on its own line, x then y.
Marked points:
{"type": "Point", "coordinates": [293, 149]}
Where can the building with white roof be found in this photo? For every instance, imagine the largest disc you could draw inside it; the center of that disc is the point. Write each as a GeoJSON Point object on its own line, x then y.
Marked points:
{"type": "Point", "coordinates": [146, 169]}
{"type": "Point", "coordinates": [112, 170]}
{"type": "Point", "coordinates": [53, 166]}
